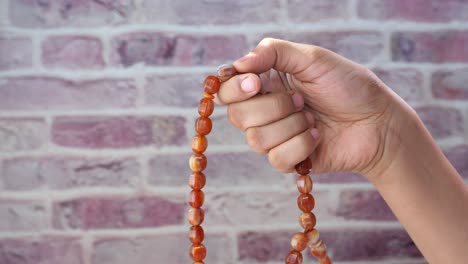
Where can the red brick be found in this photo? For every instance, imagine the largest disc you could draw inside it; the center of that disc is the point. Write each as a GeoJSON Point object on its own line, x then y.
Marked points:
{"type": "Point", "coordinates": [442, 122]}
{"type": "Point", "coordinates": [50, 250]}
{"type": "Point", "coordinates": [118, 132]}
{"type": "Point", "coordinates": [82, 13]}
{"type": "Point", "coordinates": [50, 93]}
{"type": "Point", "coordinates": [452, 85]}
{"type": "Point", "coordinates": [303, 11]}
{"type": "Point", "coordinates": [72, 52]}
{"type": "Point", "coordinates": [407, 82]}
{"type": "Point", "coordinates": [113, 212]}
{"type": "Point", "coordinates": [15, 53]}
{"type": "Point", "coordinates": [433, 47]}
{"type": "Point", "coordinates": [458, 156]}
{"type": "Point", "coordinates": [211, 12]}
{"type": "Point", "coordinates": [264, 246]}
{"type": "Point", "coordinates": [164, 248]}
{"type": "Point", "coordinates": [22, 134]}
{"type": "Point", "coordinates": [153, 48]}
{"type": "Point", "coordinates": [22, 215]}
{"type": "Point", "coordinates": [363, 205]}
{"type": "Point", "coordinates": [28, 173]}
{"type": "Point", "coordinates": [373, 244]}
{"type": "Point", "coordinates": [224, 169]}
{"type": "Point", "coordinates": [415, 10]}
{"type": "Point", "coordinates": [360, 46]}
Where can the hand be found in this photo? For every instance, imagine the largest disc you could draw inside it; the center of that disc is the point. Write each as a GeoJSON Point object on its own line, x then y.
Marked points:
{"type": "Point", "coordinates": [350, 107]}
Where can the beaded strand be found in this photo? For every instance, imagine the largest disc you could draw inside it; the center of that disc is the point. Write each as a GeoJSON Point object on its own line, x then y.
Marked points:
{"type": "Point", "coordinates": [198, 162]}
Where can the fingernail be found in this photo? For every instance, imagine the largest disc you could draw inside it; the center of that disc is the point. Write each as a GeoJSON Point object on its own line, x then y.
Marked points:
{"type": "Point", "coordinates": [315, 133]}
{"type": "Point", "coordinates": [309, 117]}
{"type": "Point", "coordinates": [248, 85]}
{"type": "Point", "coordinates": [298, 101]}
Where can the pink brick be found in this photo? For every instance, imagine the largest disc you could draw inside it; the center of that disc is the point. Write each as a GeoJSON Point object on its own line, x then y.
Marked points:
{"type": "Point", "coordinates": [152, 48]}
{"type": "Point", "coordinates": [261, 208]}
{"type": "Point", "coordinates": [119, 132]}
{"type": "Point", "coordinates": [50, 93]}
{"type": "Point", "coordinates": [441, 121]}
{"type": "Point", "coordinates": [114, 212]}
{"type": "Point", "coordinates": [22, 215]}
{"type": "Point", "coordinates": [415, 10]}
{"type": "Point", "coordinates": [259, 247]}
{"type": "Point", "coordinates": [15, 52]}
{"type": "Point", "coordinates": [28, 173]}
{"type": "Point", "coordinates": [18, 134]}
{"type": "Point", "coordinates": [363, 205]}
{"type": "Point", "coordinates": [360, 46]}
{"type": "Point", "coordinates": [433, 47]}
{"type": "Point", "coordinates": [211, 12]}
{"type": "Point", "coordinates": [451, 85]}
{"type": "Point", "coordinates": [50, 250]}
{"type": "Point", "coordinates": [81, 13]}
{"type": "Point", "coordinates": [407, 82]}
{"type": "Point", "coordinates": [303, 11]}
{"type": "Point", "coordinates": [164, 248]}
{"type": "Point", "coordinates": [458, 156]}
{"type": "Point", "coordinates": [72, 52]}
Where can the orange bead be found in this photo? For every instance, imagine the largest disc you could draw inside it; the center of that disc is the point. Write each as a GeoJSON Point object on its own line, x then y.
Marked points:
{"type": "Point", "coordinates": [294, 257]}
{"type": "Point", "coordinates": [196, 234]}
{"type": "Point", "coordinates": [209, 96]}
{"type": "Point", "coordinates": [198, 162]}
{"type": "Point", "coordinates": [198, 252]}
{"type": "Point", "coordinates": [196, 199]}
{"type": "Point", "coordinates": [199, 144]}
{"type": "Point", "coordinates": [197, 180]}
{"type": "Point", "coordinates": [304, 184]}
{"type": "Point", "coordinates": [195, 216]}
{"type": "Point", "coordinates": [211, 84]}
{"type": "Point", "coordinates": [299, 241]}
{"type": "Point", "coordinates": [307, 221]}
{"type": "Point", "coordinates": [305, 202]}
{"type": "Point", "coordinates": [325, 260]}
{"type": "Point", "coordinates": [304, 167]}
{"type": "Point", "coordinates": [203, 125]}
{"type": "Point", "coordinates": [319, 250]}
{"type": "Point", "coordinates": [206, 107]}
{"type": "Point", "coordinates": [225, 72]}
{"type": "Point", "coordinates": [199, 262]}
{"type": "Point", "coordinates": [313, 237]}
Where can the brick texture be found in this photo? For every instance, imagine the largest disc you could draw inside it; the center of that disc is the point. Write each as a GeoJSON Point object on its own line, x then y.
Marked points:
{"type": "Point", "coordinates": [97, 107]}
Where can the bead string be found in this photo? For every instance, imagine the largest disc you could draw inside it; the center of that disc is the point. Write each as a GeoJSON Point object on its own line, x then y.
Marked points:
{"type": "Point", "coordinates": [309, 238]}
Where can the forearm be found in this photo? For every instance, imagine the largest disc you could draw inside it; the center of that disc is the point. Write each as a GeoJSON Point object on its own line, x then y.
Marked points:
{"type": "Point", "coordinates": [428, 197]}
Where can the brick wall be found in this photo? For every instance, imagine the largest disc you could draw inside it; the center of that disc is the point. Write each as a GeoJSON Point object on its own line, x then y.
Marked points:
{"type": "Point", "coordinates": [97, 104]}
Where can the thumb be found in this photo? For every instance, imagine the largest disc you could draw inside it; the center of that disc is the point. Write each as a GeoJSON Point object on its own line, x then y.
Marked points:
{"type": "Point", "coordinates": [281, 55]}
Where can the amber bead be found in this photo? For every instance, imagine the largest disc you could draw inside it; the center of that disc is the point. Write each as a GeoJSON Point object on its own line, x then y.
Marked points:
{"type": "Point", "coordinates": [196, 234]}
{"type": "Point", "coordinates": [294, 257]}
{"type": "Point", "coordinates": [319, 250]}
{"type": "Point", "coordinates": [199, 144]}
{"type": "Point", "coordinates": [197, 180]}
{"type": "Point", "coordinates": [195, 216]}
{"type": "Point", "coordinates": [198, 162]}
{"type": "Point", "coordinates": [225, 72]}
{"type": "Point", "coordinates": [206, 107]}
{"type": "Point", "coordinates": [307, 221]}
{"type": "Point", "coordinates": [304, 167]}
{"type": "Point", "coordinates": [197, 252]}
{"type": "Point", "coordinates": [203, 125]}
{"type": "Point", "coordinates": [305, 202]}
{"type": "Point", "coordinates": [209, 96]}
{"type": "Point", "coordinates": [299, 241]}
{"type": "Point", "coordinates": [313, 237]}
{"type": "Point", "coordinates": [325, 260]}
{"type": "Point", "coordinates": [196, 199]}
{"type": "Point", "coordinates": [304, 184]}
{"type": "Point", "coordinates": [211, 84]}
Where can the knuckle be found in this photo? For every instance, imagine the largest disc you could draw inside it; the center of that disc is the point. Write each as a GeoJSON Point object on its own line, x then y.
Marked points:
{"type": "Point", "coordinates": [283, 103]}
{"type": "Point", "coordinates": [232, 114]}
{"type": "Point", "coordinates": [255, 140]}
{"type": "Point", "coordinates": [268, 42]}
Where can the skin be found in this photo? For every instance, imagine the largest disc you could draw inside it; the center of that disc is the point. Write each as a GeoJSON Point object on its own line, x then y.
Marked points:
{"type": "Point", "coordinates": [341, 116]}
